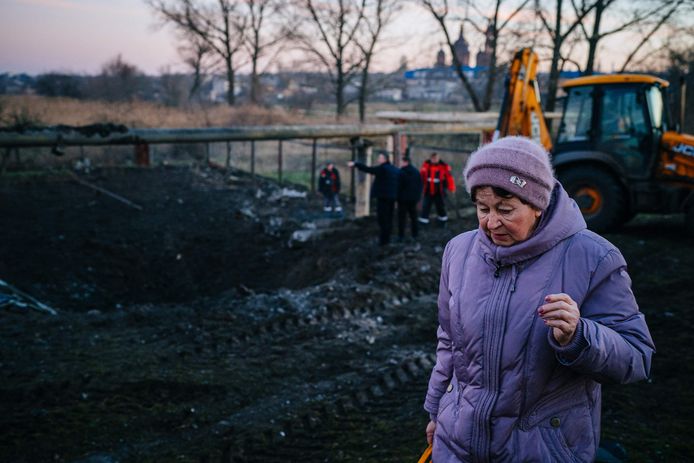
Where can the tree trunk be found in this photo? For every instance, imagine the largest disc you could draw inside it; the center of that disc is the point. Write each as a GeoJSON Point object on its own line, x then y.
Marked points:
{"type": "Point", "coordinates": [255, 80]}
{"type": "Point", "coordinates": [340, 91]}
{"type": "Point", "coordinates": [491, 77]}
{"type": "Point", "coordinates": [363, 91]}
{"type": "Point", "coordinates": [553, 78]}
{"type": "Point", "coordinates": [594, 38]}
{"type": "Point", "coordinates": [231, 99]}
{"type": "Point", "coordinates": [557, 40]}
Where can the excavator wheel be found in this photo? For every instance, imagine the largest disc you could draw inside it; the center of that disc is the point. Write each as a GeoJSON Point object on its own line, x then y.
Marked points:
{"type": "Point", "coordinates": [689, 220]}
{"type": "Point", "coordinates": [598, 195]}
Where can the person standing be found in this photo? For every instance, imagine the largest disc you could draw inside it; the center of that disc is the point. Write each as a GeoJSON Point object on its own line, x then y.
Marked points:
{"type": "Point", "coordinates": [329, 186]}
{"type": "Point", "coordinates": [535, 313]}
{"type": "Point", "coordinates": [409, 192]}
{"type": "Point", "coordinates": [437, 178]}
{"type": "Point", "coordinates": [385, 190]}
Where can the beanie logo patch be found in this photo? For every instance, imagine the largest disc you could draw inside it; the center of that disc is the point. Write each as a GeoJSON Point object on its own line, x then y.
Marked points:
{"type": "Point", "coordinates": [519, 182]}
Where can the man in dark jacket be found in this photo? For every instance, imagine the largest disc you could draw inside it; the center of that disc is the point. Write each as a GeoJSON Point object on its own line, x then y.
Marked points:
{"type": "Point", "coordinates": [437, 178]}
{"type": "Point", "coordinates": [329, 186]}
{"type": "Point", "coordinates": [408, 196]}
{"type": "Point", "coordinates": [385, 190]}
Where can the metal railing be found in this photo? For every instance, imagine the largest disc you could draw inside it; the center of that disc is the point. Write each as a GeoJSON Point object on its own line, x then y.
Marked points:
{"type": "Point", "coordinates": [396, 136]}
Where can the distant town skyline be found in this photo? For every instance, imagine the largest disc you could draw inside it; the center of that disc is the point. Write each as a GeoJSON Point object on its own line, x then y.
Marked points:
{"type": "Point", "coordinates": [79, 36]}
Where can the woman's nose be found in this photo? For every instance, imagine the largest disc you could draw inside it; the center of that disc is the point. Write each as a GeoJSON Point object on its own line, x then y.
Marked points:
{"type": "Point", "coordinates": [493, 220]}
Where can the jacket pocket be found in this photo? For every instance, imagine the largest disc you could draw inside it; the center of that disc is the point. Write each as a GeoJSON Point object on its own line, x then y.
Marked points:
{"type": "Point", "coordinates": [555, 441]}
{"type": "Point", "coordinates": [563, 421]}
{"type": "Point", "coordinates": [447, 399]}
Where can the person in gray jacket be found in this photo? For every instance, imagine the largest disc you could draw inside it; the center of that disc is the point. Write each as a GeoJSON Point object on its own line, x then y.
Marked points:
{"type": "Point", "coordinates": [535, 313]}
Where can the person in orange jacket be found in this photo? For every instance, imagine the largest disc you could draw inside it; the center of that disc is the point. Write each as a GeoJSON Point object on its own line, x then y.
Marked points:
{"type": "Point", "coordinates": [437, 178]}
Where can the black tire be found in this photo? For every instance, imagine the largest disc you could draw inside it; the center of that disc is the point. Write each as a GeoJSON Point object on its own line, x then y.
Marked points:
{"type": "Point", "coordinates": [689, 220]}
{"type": "Point", "coordinates": [599, 196]}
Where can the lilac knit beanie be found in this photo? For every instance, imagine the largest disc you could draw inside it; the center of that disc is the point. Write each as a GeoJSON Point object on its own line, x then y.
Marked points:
{"type": "Point", "coordinates": [516, 164]}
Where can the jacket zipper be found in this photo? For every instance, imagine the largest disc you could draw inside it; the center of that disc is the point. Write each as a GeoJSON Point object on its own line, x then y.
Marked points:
{"type": "Point", "coordinates": [494, 325]}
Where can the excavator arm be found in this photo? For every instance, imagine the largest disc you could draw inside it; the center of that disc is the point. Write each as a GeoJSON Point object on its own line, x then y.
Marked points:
{"type": "Point", "coordinates": [521, 110]}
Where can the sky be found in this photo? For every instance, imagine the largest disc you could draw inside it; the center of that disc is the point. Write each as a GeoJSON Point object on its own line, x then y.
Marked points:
{"type": "Point", "coordinates": [79, 36]}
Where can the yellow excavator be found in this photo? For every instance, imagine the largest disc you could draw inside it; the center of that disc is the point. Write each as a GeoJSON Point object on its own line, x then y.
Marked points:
{"type": "Point", "coordinates": [615, 151]}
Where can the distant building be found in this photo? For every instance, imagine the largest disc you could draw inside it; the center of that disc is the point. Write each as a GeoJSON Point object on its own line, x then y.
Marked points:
{"type": "Point", "coordinates": [434, 84]}
{"type": "Point", "coordinates": [484, 56]}
{"type": "Point", "coordinates": [462, 50]}
{"type": "Point", "coordinates": [389, 94]}
{"type": "Point", "coordinates": [440, 59]}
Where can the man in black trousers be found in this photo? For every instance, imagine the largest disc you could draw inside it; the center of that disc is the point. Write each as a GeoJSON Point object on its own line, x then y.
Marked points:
{"type": "Point", "coordinates": [409, 192]}
{"type": "Point", "coordinates": [385, 190]}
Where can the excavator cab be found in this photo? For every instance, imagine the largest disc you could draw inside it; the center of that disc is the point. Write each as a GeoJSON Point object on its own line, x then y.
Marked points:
{"type": "Point", "coordinates": [623, 121]}
{"type": "Point", "coordinates": [614, 151]}
{"type": "Point", "coordinates": [606, 148]}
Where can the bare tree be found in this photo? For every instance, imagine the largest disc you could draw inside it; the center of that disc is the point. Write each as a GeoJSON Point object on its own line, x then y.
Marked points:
{"type": "Point", "coordinates": [495, 25]}
{"type": "Point", "coordinates": [558, 34]}
{"type": "Point", "coordinates": [665, 16]}
{"type": "Point", "coordinates": [219, 25]}
{"type": "Point", "coordinates": [118, 81]}
{"type": "Point", "coordinates": [329, 35]}
{"type": "Point", "coordinates": [378, 15]}
{"type": "Point", "coordinates": [197, 56]}
{"type": "Point", "coordinates": [638, 13]}
{"type": "Point", "coordinates": [263, 35]}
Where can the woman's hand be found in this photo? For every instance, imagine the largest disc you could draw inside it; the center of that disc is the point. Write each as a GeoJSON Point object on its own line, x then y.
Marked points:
{"type": "Point", "coordinates": [560, 313]}
{"type": "Point", "coordinates": [431, 427]}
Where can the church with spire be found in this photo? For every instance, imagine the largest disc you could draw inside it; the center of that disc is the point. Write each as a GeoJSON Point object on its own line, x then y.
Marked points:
{"type": "Point", "coordinates": [441, 82]}
{"type": "Point", "coordinates": [462, 52]}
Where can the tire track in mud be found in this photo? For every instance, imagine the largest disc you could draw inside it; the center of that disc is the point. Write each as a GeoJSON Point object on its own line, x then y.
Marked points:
{"type": "Point", "coordinates": [321, 425]}
{"type": "Point", "coordinates": [287, 399]}
{"type": "Point", "coordinates": [307, 432]}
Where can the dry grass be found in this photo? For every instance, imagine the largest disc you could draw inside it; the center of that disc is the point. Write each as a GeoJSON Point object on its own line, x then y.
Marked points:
{"type": "Point", "coordinates": [38, 110]}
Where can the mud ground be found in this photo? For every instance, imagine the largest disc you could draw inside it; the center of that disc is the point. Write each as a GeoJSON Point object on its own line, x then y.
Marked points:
{"type": "Point", "coordinates": [229, 320]}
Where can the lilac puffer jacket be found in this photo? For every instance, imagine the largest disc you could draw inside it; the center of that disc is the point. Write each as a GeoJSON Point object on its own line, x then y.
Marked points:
{"type": "Point", "coordinates": [503, 389]}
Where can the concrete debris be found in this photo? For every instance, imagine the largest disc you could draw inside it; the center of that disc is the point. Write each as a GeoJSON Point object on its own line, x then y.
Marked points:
{"type": "Point", "coordinates": [302, 236]}
{"type": "Point", "coordinates": [287, 193]}
{"type": "Point", "coordinates": [248, 212]}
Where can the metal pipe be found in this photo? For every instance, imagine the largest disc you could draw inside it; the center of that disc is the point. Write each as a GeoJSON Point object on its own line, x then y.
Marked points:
{"type": "Point", "coordinates": [52, 137]}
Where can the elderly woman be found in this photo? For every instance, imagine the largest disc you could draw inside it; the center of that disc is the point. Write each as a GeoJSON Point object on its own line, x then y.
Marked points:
{"type": "Point", "coordinates": [535, 312]}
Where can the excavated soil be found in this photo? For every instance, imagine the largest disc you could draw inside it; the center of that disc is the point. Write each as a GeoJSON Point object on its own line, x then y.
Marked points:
{"type": "Point", "coordinates": [229, 320]}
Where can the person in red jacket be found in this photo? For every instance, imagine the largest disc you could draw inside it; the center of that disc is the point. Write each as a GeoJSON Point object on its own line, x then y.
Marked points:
{"type": "Point", "coordinates": [437, 178]}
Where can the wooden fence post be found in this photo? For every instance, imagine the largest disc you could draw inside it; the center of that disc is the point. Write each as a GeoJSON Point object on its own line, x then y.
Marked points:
{"type": "Point", "coordinates": [142, 154]}
{"type": "Point", "coordinates": [363, 184]}
{"type": "Point", "coordinates": [253, 159]}
{"type": "Point", "coordinates": [313, 165]}
{"type": "Point", "coordinates": [227, 164]}
{"type": "Point", "coordinates": [279, 162]}
{"type": "Point", "coordinates": [355, 143]}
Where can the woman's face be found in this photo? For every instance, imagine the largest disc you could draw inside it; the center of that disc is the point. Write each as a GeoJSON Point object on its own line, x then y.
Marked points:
{"type": "Point", "coordinates": [506, 221]}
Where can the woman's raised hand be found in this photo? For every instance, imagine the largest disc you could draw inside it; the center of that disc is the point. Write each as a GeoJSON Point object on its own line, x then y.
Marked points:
{"type": "Point", "coordinates": [560, 313]}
